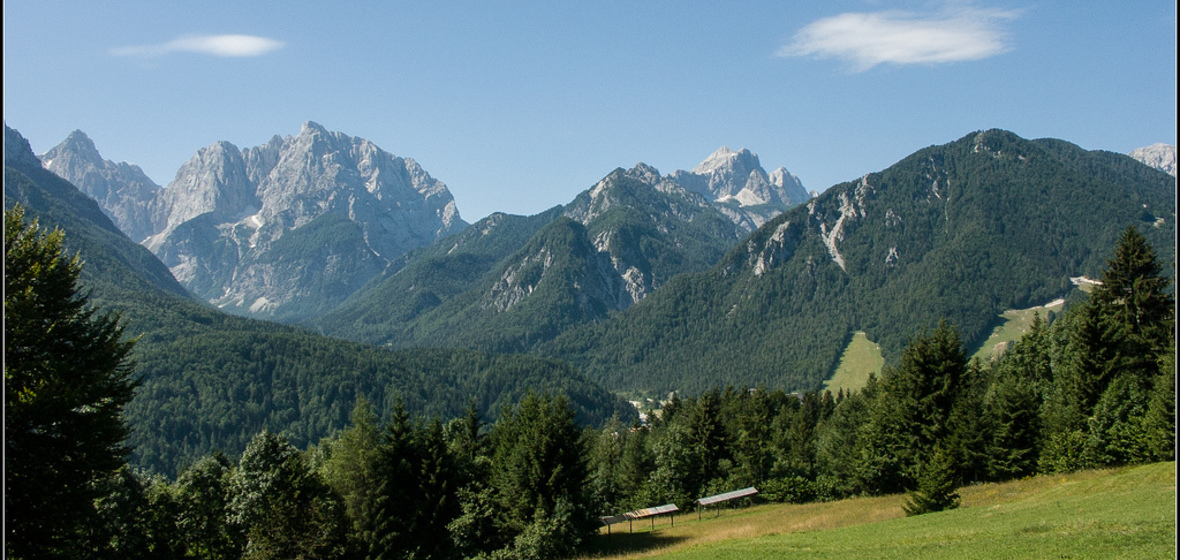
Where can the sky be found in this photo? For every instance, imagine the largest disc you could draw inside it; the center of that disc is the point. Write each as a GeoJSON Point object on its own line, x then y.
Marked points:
{"type": "Point", "coordinates": [519, 106]}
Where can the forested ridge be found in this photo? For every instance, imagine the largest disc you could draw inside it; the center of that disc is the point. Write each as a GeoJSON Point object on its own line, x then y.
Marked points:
{"type": "Point", "coordinates": [961, 231]}
{"type": "Point", "coordinates": [508, 282]}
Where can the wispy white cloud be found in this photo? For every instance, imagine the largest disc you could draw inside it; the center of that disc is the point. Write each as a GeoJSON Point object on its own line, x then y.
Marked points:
{"type": "Point", "coordinates": [895, 37]}
{"type": "Point", "coordinates": [214, 45]}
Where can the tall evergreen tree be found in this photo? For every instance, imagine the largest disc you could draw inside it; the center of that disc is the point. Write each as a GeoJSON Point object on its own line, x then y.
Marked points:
{"type": "Point", "coordinates": [540, 463]}
{"type": "Point", "coordinates": [67, 377]}
{"type": "Point", "coordinates": [913, 410]}
{"type": "Point", "coordinates": [1134, 300]}
{"type": "Point", "coordinates": [397, 464]}
{"type": "Point", "coordinates": [1113, 346]}
{"type": "Point", "coordinates": [1014, 411]}
{"type": "Point", "coordinates": [350, 470]}
{"type": "Point", "coordinates": [707, 440]}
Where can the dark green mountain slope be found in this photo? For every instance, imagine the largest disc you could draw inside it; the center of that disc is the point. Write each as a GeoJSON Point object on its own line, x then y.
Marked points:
{"type": "Point", "coordinates": [212, 380]}
{"type": "Point", "coordinates": [106, 249]}
{"type": "Point", "coordinates": [963, 231]}
{"type": "Point", "coordinates": [510, 282]}
{"type": "Point", "coordinates": [384, 310]}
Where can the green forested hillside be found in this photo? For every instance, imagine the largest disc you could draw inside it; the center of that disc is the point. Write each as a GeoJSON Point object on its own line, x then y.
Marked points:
{"type": "Point", "coordinates": [212, 381]}
{"type": "Point", "coordinates": [385, 310]}
{"type": "Point", "coordinates": [960, 231]}
{"type": "Point", "coordinates": [508, 283]}
{"type": "Point", "coordinates": [106, 250]}
{"type": "Point", "coordinates": [217, 389]}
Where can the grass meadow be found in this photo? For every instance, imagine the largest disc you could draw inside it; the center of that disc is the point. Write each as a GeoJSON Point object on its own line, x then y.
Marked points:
{"type": "Point", "coordinates": [1126, 512]}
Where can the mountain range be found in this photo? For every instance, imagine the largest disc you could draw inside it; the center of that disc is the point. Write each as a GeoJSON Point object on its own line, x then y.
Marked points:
{"type": "Point", "coordinates": [510, 282]}
{"type": "Point", "coordinates": [645, 283]}
{"type": "Point", "coordinates": [290, 229]}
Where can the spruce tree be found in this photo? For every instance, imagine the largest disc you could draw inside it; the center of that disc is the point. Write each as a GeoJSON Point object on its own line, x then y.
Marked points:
{"type": "Point", "coordinates": [67, 377]}
{"type": "Point", "coordinates": [936, 486]}
{"type": "Point", "coordinates": [1110, 358]}
{"type": "Point", "coordinates": [539, 468]}
{"type": "Point", "coordinates": [912, 412]}
{"type": "Point", "coordinates": [1134, 300]}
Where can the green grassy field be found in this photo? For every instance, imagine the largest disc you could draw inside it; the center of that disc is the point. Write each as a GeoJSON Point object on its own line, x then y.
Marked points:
{"type": "Point", "coordinates": [1114, 513]}
{"type": "Point", "coordinates": [861, 357]}
{"type": "Point", "coordinates": [1015, 322]}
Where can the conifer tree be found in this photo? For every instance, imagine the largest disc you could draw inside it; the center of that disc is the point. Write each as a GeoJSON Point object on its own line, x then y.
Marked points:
{"type": "Point", "coordinates": [913, 410]}
{"type": "Point", "coordinates": [351, 471]}
{"type": "Point", "coordinates": [539, 469]}
{"type": "Point", "coordinates": [1098, 408]}
{"type": "Point", "coordinates": [1014, 411]}
{"type": "Point", "coordinates": [67, 377]}
{"type": "Point", "coordinates": [1134, 301]}
{"type": "Point", "coordinates": [936, 486]}
{"type": "Point", "coordinates": [707, 441]}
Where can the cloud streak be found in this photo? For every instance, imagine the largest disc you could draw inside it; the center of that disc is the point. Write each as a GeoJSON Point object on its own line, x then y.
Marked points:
{"type": "Point", "coordinates": [866, 40]}
{"type": "Point", "coordinates": [237, 46]}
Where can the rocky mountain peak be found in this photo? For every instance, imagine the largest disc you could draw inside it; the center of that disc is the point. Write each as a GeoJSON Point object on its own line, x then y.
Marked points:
{"type": "Point", "coordinates": [737, 183]}
{"type": "Point", "coordinates": [80, 146]}
{"type": "Point", "coordinates": [126, 195]}
{"type": "Point", "coordinates": [1160, 156]}
{"type": "Point", "coordinates": [312, 127]}
{"type": "Point", "coordinates": [737, 163]}
{"type": "Point", "coordinates": [264, 230]}
{"type": "Point", "coordinates": [645, 173]}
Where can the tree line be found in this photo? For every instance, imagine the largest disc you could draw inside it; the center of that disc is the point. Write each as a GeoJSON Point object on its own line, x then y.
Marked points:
{"type": "Point", "coordinates": [1094, 388]}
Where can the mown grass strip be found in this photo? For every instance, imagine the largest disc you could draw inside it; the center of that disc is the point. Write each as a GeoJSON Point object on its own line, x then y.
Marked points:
{"type": "Point", "coordinates": [861, 357]}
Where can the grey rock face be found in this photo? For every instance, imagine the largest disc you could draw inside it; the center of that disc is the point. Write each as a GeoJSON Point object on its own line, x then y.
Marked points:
{"type": "Point", "coordinates": [1160, 156]}
{"type": "Point", "coordinates": [280, 230]}
{"type": "Point", "coordinates": [123, 191]}
{"type": "Point", "coordinates": [294, 226]}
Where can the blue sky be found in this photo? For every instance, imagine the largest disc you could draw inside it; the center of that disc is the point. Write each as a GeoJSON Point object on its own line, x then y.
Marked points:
{"type": "Point", "coordinates": [518, 106]}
